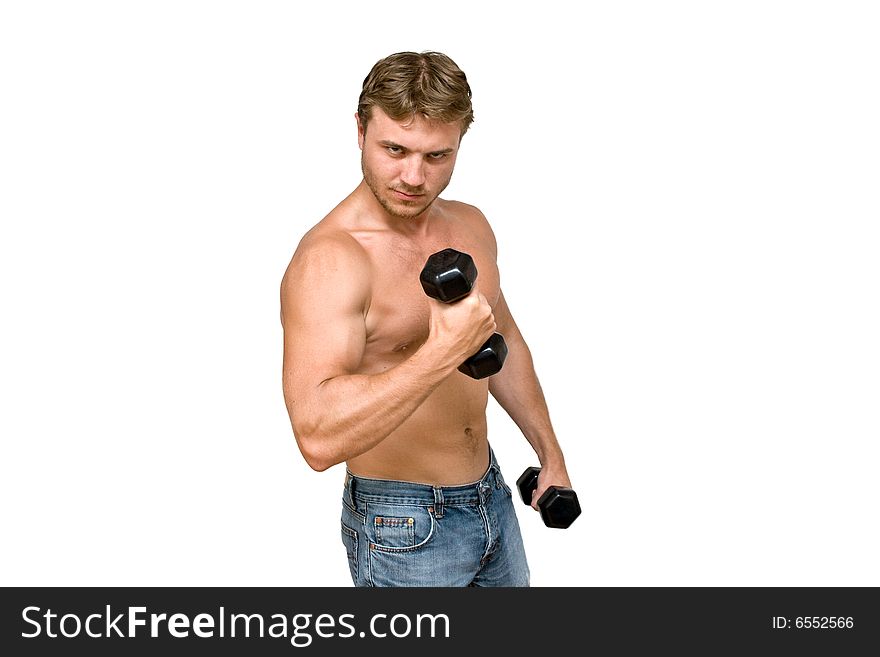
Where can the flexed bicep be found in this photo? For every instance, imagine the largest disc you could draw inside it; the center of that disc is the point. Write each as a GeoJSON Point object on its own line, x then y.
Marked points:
{"type": "Point", "coordinates": [323, 298]}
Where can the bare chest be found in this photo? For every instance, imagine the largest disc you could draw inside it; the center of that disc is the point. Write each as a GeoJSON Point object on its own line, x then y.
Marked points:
{"type": "Point", "coordinates": [397, 321]}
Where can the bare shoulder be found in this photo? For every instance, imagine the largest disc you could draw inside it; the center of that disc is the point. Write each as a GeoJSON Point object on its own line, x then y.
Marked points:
{"type": "Point", "coordinates": [326, 261]}
{"type": "Point", "coordinates": [473, 220]}
{"type": "Point", "coordinates": [327, 248]}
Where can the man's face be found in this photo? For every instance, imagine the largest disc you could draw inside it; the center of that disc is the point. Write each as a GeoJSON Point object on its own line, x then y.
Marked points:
{"type": "Point", "coordinates": [407, 164]}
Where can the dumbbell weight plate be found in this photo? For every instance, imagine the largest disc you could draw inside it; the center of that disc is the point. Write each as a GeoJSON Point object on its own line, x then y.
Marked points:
{"type": "Point", "coordinates": [559, 507]}
{"type": "Point", "coordinates": [527, 483]}
{"type": "Point", "coordinates": [488, 360]}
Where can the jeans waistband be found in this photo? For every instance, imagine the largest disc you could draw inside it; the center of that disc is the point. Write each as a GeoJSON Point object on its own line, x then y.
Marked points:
{"type": "Point", "coordinates": [407, 492]}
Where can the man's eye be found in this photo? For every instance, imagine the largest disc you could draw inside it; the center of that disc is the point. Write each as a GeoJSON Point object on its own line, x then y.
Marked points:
{"type": "Point", "coordinates": [394, 150]}
{"type": "Point", "coordinates": [437, 156]}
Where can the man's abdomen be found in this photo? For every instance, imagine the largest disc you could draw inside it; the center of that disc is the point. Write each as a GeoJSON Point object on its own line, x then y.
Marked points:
{"type": "Point", "coordinates": [443, 443]}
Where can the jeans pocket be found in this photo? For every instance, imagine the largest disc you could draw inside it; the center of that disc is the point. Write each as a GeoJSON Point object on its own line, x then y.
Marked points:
{"type": "Point", "coordinates": [395, 527]}
{"type": "Point", "coordinates": [350, 541]}
{"type": "Point", "coordinates": [395, 532]}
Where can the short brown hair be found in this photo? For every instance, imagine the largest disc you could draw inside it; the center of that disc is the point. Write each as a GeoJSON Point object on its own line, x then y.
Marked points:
{"type": "Point", "coordinates": [407, 83]}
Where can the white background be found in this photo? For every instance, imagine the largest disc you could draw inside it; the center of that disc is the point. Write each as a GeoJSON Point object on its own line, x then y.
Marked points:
{"type": "Point", "coordinates": [685, 196]}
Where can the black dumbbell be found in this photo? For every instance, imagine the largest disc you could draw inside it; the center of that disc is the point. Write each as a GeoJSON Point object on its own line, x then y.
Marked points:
{"type": "Point", "coordinates": [559, 505]}
{"type": "Point", "coordinates": [448, 276]}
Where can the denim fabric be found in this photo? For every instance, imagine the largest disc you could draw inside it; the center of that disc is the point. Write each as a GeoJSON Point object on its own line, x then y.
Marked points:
{"type": "Point", "coordinates": [400, 533]}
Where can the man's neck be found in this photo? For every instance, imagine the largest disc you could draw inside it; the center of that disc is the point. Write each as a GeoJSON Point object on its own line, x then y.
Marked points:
{"type": "Point", "coordinates": [415, 228]}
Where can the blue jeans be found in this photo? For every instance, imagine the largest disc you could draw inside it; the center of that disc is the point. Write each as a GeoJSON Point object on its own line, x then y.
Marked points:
{"type": "Point", "coordinates": [399, 533]}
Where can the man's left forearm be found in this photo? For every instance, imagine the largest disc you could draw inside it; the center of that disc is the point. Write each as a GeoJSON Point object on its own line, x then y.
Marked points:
{"type": "Point", "coordinates": [517, 389]}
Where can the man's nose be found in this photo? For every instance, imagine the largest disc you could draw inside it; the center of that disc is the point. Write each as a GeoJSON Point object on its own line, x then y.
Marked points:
{"type": "Point", "coordinates": [413, 173]}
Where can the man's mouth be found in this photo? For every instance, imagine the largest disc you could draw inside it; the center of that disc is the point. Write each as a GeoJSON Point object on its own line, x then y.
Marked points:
{"type": "Point", "coordinates": [405, 196]}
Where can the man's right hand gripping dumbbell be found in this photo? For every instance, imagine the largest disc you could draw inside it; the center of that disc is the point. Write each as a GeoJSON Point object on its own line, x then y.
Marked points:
{"type": "Point", "coordinates": [449, 276]}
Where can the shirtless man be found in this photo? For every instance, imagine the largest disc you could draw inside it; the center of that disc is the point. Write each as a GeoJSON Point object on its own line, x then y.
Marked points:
{"type": "Point", "coordinates": [370, 361]}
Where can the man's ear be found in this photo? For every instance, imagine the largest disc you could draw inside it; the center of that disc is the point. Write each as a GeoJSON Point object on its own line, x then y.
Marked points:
{"type": "Point", "coordinates": [362, 130]}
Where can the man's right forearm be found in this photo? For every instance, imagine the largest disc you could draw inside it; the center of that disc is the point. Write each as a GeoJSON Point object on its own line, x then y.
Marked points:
{"type": "Point", "coordinates": [349, 414]}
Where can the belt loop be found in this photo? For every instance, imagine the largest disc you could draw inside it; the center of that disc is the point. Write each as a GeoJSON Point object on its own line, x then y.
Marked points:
{"type": "Point", "coordinates": [438, 502]}
{"type": "Point", "coordinates": [351, 490]}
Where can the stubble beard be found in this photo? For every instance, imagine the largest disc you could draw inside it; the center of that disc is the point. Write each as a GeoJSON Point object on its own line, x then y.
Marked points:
{"type": "Point", "coordinates": [401, 210]}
